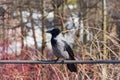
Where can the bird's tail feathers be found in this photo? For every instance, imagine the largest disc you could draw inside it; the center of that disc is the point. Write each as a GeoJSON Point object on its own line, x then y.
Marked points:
{"type": "Point", "coordinates": [72, 67]}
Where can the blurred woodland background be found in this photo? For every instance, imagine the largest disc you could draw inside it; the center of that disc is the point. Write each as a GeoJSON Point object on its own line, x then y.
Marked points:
{"type": "Point", "coordinates": [91, 27]}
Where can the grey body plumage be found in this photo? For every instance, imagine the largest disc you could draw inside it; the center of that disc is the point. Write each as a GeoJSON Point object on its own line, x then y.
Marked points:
{"type": "Point", "coordinates": [61, 49]}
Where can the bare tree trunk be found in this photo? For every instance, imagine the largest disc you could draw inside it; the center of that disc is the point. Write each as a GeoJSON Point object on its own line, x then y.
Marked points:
{"type": "Point", "coordinates": [33, 30]}
{"type": "Point", "coordinates": [2, 30]}
{"type": "Point", "coordinates": [56, 13]}
{"type": "Point", "coordinates": [4, 33]}
{"type": "Point", "coordinates": [43, 28]}
{"type": "Point", "coordinates": [80, 31]}
{"type": "Point", "coordinates": [22, 38]}
{"type": "Point", "coordinates": [62, 19]}
{"type": "Point", "coordinates": [43, 38]}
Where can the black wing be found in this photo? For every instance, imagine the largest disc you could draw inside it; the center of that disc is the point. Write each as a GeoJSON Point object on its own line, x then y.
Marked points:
{"type": "Point", "coordinates": [69, 50]}
{"type": "Point", "coordinates": [72, 67]}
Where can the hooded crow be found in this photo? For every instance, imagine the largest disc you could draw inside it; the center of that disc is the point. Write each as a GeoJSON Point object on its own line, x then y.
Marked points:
{"type": "Point", "coordinates": [61, 49]}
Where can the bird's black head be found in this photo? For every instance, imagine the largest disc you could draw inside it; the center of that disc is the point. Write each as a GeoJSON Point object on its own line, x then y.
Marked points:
{"type": "Point", "coordinates": [54, 32]}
